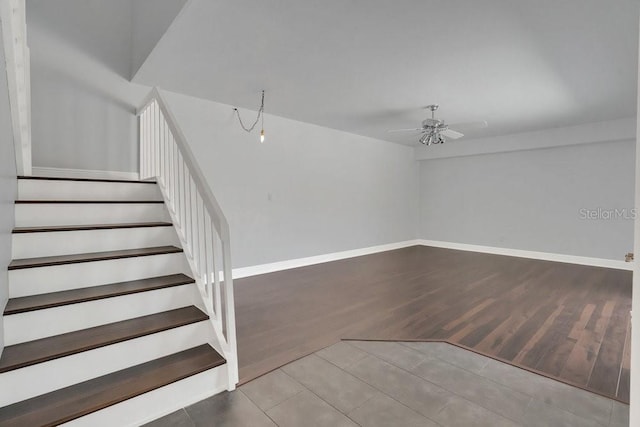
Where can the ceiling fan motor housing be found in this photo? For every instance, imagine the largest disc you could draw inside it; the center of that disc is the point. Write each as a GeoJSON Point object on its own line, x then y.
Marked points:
{"type": "Point", "coordinates": [431, 123]}
{"type": "Point", "coordinates": [434, 125]}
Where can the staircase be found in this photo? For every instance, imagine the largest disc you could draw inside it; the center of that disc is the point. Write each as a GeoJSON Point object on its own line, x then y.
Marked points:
{"type": "Point", "coordinates": [105, 325]}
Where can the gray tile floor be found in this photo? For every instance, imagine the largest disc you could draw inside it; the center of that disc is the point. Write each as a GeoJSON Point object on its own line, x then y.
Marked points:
{"type": "Point", "coordinates": [381, 384]}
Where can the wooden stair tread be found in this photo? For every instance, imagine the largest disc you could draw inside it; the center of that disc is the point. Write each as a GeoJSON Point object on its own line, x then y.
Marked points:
{"type": "Point", "coordinates": [41, 350]}
{"type": "Point", "coordinates": [26, 202]}
{"type": "Point", "coordinates": [57, 178]}
{"type": "Point", "coordinates": [17, 264]}
{"type": "Point", "coordinates": [92, 293]}
{"type": "Point", "coordinates": [84, 398]}
{"type": "Point", "coordinates": [44, 229]}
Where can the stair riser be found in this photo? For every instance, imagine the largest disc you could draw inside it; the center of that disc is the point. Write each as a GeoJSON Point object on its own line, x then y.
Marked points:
{"type": "Point", "coordinates": [40, 280]}
{"type": "Point", "coordinates": [85, 190]}
{"type": "Point", "coordinates": [157, 403]}
{"type": "Point", "coordinates": [48, 376]}
{"type": "Point", "coordinates": [38, 324]}
{"type": "Point", "coordinates": [38, 214]}
{"type": "Point", "coordinates": [31, 245]}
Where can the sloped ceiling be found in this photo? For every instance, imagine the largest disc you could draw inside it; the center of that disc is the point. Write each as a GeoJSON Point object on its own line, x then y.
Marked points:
{"type": "Point", "coordinates": [150, 20]}
{"type": "Point", "coordinates": [118, 33]}
{"type": "Point", "coordinates": [365, 66]}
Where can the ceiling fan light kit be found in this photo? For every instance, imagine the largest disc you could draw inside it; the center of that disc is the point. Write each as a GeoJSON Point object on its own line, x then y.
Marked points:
{"type": "Point", "coordinates": [436, 127]}
{"type": "Point", "coordinates": [431, 138]}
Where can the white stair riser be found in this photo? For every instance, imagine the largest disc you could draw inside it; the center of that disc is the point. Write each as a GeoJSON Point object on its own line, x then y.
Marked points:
{"type": "Point", "coordinates": [38, 214]}
{"type": "Point", "coordinates": [48, 376]}
{"type": "Point", "coordinates": [40, 280]}
{"type": "Point", "coordinates": [157, 403]}
{"type": "Point", "coordinates": [37, 189]}
{"type": "Point", "coordinates": [38, 324]}
{"type": "Point", "coordinates": [31, 245]}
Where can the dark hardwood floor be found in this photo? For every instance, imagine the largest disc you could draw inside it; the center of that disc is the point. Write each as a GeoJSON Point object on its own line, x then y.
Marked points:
{"type": "Point", "coordinates": [567, 321]}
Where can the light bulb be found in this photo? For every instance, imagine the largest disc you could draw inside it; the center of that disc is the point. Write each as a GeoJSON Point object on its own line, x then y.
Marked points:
{"type": "Point", "coordinates": [262, 135]}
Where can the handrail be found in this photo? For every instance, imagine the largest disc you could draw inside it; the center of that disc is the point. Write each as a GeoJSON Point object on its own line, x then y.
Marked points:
{"type": "Point", "coordinates": [16, 51]}
{"type": "Point", "coordinates": [201, 225]}
{"type": "Point", "coordinates": [222, 226]}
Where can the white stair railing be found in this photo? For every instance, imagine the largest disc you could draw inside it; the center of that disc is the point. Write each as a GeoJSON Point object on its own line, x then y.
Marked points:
{"type": "Point", "coordinates": [201, 225]}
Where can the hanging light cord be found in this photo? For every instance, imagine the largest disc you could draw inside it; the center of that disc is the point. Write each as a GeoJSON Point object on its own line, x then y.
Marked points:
{"type": "Point", "coordinates": [260, 114]}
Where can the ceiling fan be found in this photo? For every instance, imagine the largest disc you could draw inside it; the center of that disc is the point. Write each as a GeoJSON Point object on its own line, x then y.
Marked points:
{"type": "Point", "coordinates": [436, 131]}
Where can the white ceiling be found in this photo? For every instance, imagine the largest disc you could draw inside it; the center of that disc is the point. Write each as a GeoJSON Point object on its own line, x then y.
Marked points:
{"type": "Point", "coordinates": [365, 66]}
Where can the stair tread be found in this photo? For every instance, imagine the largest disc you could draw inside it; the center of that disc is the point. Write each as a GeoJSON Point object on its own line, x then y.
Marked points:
{"type": "Point", "coordinates": [17, 264]}
{"type": "Point", "coordinates": [57, 299]}
{"type": "Point", "coordinates": [81, 399]}
{"type": "Point", "coordinates": [44, 349]}
{"type": "Point", "coordinates": [58, 178]}
{"type": "Point", "coordinates": [42, 229]}
{"type": "Point", "coordinates": [67, 201]}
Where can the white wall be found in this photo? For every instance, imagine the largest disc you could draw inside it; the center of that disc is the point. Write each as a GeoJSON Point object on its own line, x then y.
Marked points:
{"type": "Point", "coordinates": [8, 188]}
{"type": "Point", "coordinates": [306, 191]}
{"type": "Point", "coordinates": [531, 200]}
{"type": "Point", "coordinates": [312, 190]}
{"type": "Point", "coordinates": [82, 102]}
{"type": "Point", "coordinates": [309, 191]}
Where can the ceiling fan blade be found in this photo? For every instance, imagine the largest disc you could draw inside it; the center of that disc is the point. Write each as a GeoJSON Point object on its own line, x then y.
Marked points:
{"type": "Point", "coordinates": [405, 130]}
{"type": "Point", "coordinates": [470, 125]}
{"type": "Point", "coordinates": [451, 134]}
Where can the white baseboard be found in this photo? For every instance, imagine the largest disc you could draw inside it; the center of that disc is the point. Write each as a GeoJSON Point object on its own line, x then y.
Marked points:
{"type": "Point", "coordinates": [546, 256]}
{"type": "Point", "coordinates": [254, 270]}
{"type": "Point", "coordinates": [83, 173]}
{"type": "Point", "coordinates": [239, 273]}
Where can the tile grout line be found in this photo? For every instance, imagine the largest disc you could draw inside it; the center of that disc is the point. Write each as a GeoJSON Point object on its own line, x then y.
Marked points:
{"type": "Point", "coordinates": [424, 358]}
{"type": "Point", "coordinates": [526, 409]}
{"type": "Point", "coordinates": [386, 395]}
{"type": "Point", "coordinates": [532, 398]}
{"type": "Point", "coordinates": [472, 372]}
{"type": "Point", "coordinates": [531, 370]}
{"type": "Point", "coordinates": [447, 390]}
{"type": "Point", "coordinates": [382, 392]}
{"type": "Point", "coordinates": [360, 405]}
{"type": "Point", "coordinates": [265, 410]}
{"type": "Point", "coordinates": [188, 416]}
{"type": "Point", "coordinates": [259, 408]}
{"type": "Point", "coordinates": [350, 364]}
{"type": "Point", "coordinates": [346, 343]}
{"type": "Point", "coordinates": [371, 385]}
{"type": "Point", "coordinates": [610, 415]}
{"type": "Point", "coordinates": [312, 392]}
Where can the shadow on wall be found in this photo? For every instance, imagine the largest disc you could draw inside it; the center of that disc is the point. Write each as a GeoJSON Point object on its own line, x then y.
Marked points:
{"type": "Point", "coordinates": [100, 30]}
{"type": "Point", "coordinates": [80, 125]}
